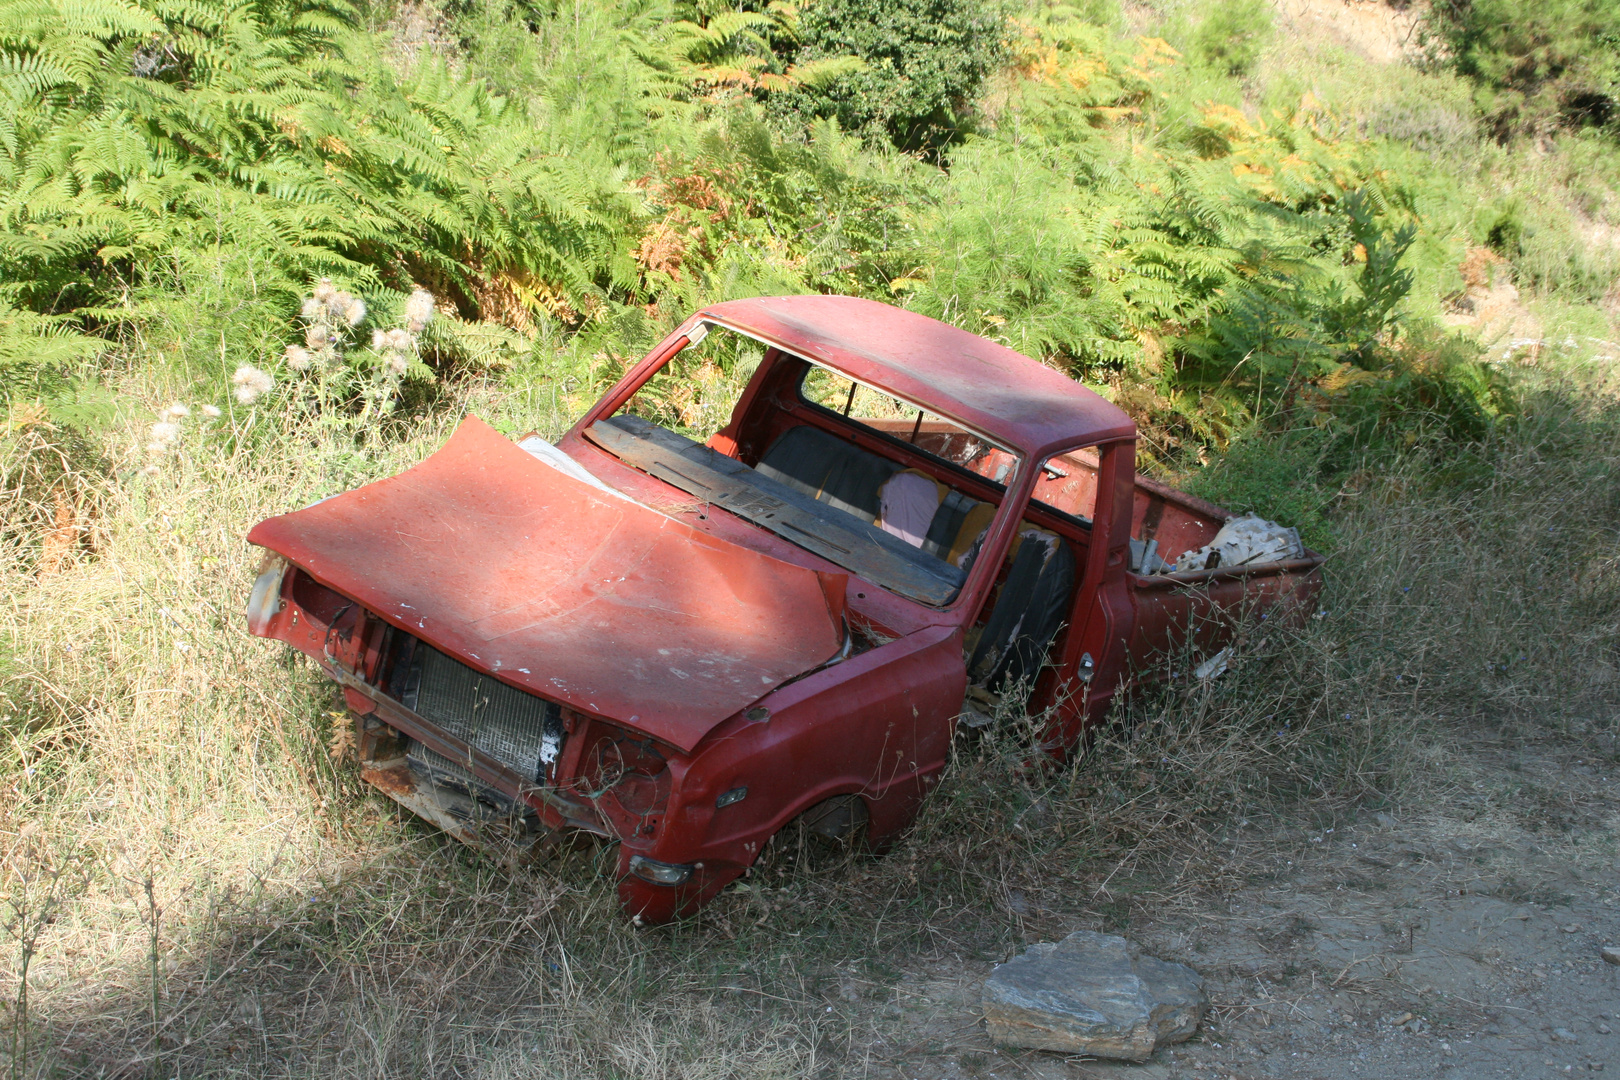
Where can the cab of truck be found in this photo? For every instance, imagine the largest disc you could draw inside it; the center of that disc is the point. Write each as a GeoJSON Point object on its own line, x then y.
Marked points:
{"type": "Point", "coordinates": [932, 465]}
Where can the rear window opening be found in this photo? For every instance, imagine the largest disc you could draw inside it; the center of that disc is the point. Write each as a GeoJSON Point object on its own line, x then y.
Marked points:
{"type": "Point", "coordinates": [934, 435]}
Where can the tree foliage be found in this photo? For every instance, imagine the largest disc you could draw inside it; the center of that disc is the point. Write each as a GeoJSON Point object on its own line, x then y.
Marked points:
{"type": "Point", "coordinates": [1231, 34]}
{"type": "Point", "coordinates": [175, 175]}
{"type": "Point", "coordinates": [1537, 63]}
{"type": "Point", "coordinates": [922, 64]}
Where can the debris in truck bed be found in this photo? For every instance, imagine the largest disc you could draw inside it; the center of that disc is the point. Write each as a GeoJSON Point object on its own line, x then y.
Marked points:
{"type": "Point", "coordinates": [1145, 558]}
{"type": "Point", "coordinates": [1244, 541]}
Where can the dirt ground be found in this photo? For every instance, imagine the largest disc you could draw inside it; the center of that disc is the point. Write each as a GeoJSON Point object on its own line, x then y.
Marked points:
{"type": "Point", "coordinates": [1464, 941]}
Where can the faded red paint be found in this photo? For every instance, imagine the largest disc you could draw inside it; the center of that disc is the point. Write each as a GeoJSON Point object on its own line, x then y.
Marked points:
{"type": "Point", "coordinates": [612, 606]}
{"type": "Point", "coordinates": [564, 591]}
{"type": "Point", "coordinates": [1018, 402]}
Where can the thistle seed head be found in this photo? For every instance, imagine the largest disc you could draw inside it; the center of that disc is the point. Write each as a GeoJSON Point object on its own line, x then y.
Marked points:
{"type": "Point", "coordinates": [418, 310]}
{"type": "Point", "coordinates": [250, 383]}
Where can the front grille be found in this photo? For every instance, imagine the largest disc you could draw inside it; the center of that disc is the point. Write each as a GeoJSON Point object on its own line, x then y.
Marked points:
{"type": "Point", "coordinates": [521, 731]}
{"type": "Point", "coordinates": [458, 792]}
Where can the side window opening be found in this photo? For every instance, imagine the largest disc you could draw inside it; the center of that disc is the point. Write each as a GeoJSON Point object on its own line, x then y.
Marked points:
{"type": "Point", "coordinates": [1067, 483]}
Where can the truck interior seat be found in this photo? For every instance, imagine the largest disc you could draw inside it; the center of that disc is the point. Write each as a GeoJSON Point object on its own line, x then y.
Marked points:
{"type": "Point", "coordinates": [958, 525]}
{"type": "Point", "coordinates": [825, 467]}
{"type": "Point", "coordinates": [1026, 614]}
{"type": "Point", "coordinates": [841, 474]}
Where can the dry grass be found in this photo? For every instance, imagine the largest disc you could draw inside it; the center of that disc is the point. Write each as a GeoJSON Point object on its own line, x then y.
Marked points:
{"type": "Point", "coordinates": [197, 888]}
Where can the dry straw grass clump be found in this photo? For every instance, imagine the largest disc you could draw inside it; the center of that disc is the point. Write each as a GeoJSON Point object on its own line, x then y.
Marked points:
{"type": "Point", "coordinates": [192, 883]}
{"type": "Point", "coordinates": [51, 480]}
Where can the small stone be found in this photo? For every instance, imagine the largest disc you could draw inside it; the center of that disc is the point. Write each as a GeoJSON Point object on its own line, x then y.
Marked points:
{"type": "Point", "coordinates": [1602, 1029]}
{"type": "Point", "coordinates": [1092, 994]}
{"type": "Point", "coordinates": [1611, 954]}
{"type": "Point", "coordinates": [1572, 928]}
{"type": "Point", "coordinates": [1563, 1035]}
{"type": "Point", "coordinates": [1384, 821]}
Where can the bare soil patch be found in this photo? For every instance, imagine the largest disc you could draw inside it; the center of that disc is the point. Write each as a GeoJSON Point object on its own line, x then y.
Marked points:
{"type": "Point", "coordinates": [1382, 32]}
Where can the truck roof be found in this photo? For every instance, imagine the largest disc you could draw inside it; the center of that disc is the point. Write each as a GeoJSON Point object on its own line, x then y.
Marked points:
{"type": "Point", "coordinates": [1018, 402]}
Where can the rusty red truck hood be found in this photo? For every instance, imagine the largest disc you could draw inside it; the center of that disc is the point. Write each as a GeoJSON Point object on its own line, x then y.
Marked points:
{"type": "Point", "coordinates": [565, 591]}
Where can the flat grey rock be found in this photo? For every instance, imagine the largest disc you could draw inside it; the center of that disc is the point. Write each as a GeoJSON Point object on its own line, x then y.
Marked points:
{"type": "Point", "coordinates": [1092, 994]}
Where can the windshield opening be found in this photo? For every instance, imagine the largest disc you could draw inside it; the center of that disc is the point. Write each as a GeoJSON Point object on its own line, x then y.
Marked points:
{"type": "Point", "coordinates": [910, 518]}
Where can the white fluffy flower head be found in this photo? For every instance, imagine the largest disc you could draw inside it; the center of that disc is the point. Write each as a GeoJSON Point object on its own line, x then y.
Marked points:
{"type": "Point", "coordinates": [211, 411]}
{"type": "Point", "coordinates": [418, 310]}
{"type": "Point", "coordinates": [298, 358]}
{"type": "Point", "coordinates": [166, 432]}
{"type": "Point", "coordinates": [250, 383]}
{"type": "Point", "coordinates": [176, 411]}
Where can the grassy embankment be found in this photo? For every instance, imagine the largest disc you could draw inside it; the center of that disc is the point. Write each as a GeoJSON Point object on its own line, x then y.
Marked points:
{"type": "Point", "coordinates": [196, 884]}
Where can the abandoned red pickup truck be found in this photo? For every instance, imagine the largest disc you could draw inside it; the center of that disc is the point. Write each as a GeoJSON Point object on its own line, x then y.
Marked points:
{"type": "Point", "coordinates": [683, 644]}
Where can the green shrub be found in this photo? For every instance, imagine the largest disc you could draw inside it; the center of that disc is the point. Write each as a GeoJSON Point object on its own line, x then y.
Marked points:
{"type": "Point", "coordinates": [144, 143]}
{"type": "Point", "coordinates": [924, 61]}
{"type": "Point", "coordinates": [1232, 34]}
{"type": "Point", "coordinates": [1538, 63]}
{"type": "Point", "coordinates": [1280, 475]}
